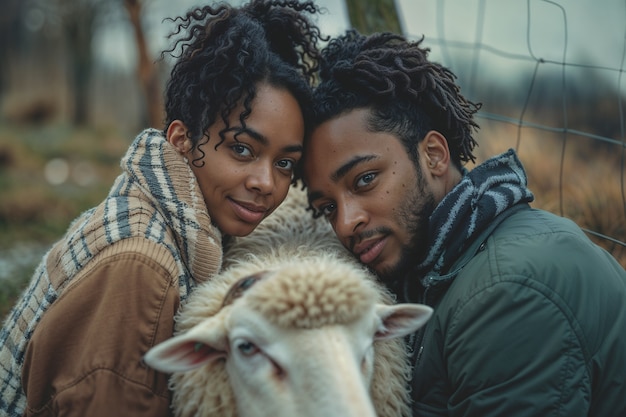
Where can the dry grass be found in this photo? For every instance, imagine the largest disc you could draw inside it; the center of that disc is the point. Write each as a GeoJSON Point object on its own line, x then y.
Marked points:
{"type": "Point", "coordinates": [588, 190]}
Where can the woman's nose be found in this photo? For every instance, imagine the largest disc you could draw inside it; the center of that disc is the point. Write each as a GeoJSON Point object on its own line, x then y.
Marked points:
{"type": "Point", "coordinates": [261, 178]}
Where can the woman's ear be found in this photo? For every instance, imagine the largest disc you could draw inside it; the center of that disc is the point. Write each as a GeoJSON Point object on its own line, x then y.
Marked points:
{"type": "Point", "coordinates": [177, 136]}
{"type": "Point", "coordinates": [434, 149]}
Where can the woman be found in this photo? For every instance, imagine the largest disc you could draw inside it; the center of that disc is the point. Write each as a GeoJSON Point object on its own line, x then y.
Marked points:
{"type": "Point", "coordinates": [108, 291]}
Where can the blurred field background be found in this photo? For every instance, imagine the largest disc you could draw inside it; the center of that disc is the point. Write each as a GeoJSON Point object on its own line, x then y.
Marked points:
{"type": "Point", "coordinates": [80, 78]}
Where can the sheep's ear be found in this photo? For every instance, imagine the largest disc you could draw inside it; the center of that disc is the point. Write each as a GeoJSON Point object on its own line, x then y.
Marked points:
{"type": "Point", "coordinates": [401, 319]}
{"type": "Point", "coordinates": [201, 344]}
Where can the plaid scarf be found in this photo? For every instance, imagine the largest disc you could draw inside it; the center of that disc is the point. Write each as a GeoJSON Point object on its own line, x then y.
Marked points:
{"type": "Point", "coordinates": [482, 194]}
{"type": "Point", "coordinates": [156, 197]}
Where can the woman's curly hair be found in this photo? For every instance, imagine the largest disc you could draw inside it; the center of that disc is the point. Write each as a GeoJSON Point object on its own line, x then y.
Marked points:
{"type": "Point", "coordinates": [408, 95]}
{"type": "Point", "coordinates": [227, 51]}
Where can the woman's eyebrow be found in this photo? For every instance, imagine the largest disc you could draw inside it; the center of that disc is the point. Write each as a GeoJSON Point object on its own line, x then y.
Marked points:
{"type": "Point", "coordinates": [250, 132]}
{"type": "Point", "coordinates": [263, 140]}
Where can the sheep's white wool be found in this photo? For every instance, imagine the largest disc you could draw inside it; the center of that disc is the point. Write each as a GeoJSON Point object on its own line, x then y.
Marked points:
{"type": "Point", "coordinates": [312, 293]}
{"type": "Point", "coordinates": [290, 240]}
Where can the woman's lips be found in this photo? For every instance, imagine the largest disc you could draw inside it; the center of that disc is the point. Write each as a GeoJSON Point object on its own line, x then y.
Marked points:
{"type": "Point", "coordinates": [249, 213]}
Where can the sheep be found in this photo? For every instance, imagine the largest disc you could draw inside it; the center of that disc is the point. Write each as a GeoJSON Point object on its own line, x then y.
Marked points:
{"type": "Point", "coordinates": [292, 326]}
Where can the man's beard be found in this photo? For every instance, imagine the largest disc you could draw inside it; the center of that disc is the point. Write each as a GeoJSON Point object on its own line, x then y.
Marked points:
{"type": "Point", "coordinates": [414, 215]}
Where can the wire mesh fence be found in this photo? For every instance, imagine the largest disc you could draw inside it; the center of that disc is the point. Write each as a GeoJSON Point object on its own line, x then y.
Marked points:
{"type": "Point", "coordinates": [550, 76]}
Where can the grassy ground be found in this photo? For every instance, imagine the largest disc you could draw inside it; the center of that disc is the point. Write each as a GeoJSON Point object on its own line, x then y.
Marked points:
{"type": "Point", "coordinates": [34, 213]}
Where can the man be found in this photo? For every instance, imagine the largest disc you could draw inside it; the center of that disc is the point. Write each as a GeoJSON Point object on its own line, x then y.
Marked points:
{"type": "Point", "coordinates": [529, 317]}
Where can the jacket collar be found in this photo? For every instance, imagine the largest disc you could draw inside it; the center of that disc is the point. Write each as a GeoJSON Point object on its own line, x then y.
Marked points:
{"type": "Point", "coordinates": [477, 245]}
{"type": "Point", "coordinates": [415, 288]}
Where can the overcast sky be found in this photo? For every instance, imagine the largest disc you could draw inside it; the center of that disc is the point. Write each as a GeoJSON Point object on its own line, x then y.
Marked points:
{"type": "Point", "coordinates": [587, 31]}
{"type": "Point", "coordinates": [511, 32]}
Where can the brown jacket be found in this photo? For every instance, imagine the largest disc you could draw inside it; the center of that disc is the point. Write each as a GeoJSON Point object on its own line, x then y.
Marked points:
{"type": "Point", "coordinates": [108, 291]}
{"type": "Point", "coordinates": [126, 301]}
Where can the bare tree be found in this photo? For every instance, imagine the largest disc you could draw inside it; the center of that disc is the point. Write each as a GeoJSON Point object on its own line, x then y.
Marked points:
{"type": "Point", "coordinates": [146, 70]}
{"type": "Point", "coordinates": [369, 16]}
{"type": "Point", "coordinates": [78, 17]}
{"type": "Point", "coordinates": [36, 36]}
{"type": "Point", "coordinates": [10, 36]}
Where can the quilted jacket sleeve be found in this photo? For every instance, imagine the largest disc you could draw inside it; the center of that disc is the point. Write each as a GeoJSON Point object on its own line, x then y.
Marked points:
{"type": "Point", "coordinates": [503, 361]}
{"type": "Point", "coordinates": [85, 356]}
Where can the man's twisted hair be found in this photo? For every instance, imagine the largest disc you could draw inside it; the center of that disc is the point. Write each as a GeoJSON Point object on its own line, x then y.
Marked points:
{"type": "Point", "coordinates": [226, 51]}
{"type": "Point", "coordinates": [407, 94]}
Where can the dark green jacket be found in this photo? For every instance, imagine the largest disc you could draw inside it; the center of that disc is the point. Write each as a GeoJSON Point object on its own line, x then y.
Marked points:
{"type": "Point", "coordinates": [531, 321]}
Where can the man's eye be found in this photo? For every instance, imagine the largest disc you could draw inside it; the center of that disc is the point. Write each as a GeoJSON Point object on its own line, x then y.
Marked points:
{"type": "Point", "coordinates": [241, 150]}
{"type": "Point", "coordinates": [365, 180]}
{"type": "Point", "coordinates": [326, 210]}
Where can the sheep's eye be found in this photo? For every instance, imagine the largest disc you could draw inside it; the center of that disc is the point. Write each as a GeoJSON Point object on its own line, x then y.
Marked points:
{"type": "Point", "coordinates": [247, 348]}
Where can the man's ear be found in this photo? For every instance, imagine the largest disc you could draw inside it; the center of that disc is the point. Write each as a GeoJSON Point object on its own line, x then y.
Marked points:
{"type": "Point", "coordinates": [177, 136]}
{"type": "Point", "coordinates": [435, 152]}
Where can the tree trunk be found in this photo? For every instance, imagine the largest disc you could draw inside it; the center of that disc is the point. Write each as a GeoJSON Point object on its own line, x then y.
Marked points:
{"type": "Point", "coordinates": [369, 16]}
{"type": "Point", "coordinates": [11, 38]}
{"type": "Point", "coordinates": [79, 30]}
{"type": "Point", "coordinates": [146, 70]}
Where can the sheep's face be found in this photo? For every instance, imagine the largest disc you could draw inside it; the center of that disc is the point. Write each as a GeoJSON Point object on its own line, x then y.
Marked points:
{"type": "Point", "coordinates": [299, 341]}
{"type": "Point", "coordinates": [292, 371]}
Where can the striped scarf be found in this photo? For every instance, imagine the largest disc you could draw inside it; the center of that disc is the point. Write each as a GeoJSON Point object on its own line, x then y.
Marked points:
{"type": "Point", "coordinates": [482, 194]}
{"type": "Point", "coordinates": [156, 197]}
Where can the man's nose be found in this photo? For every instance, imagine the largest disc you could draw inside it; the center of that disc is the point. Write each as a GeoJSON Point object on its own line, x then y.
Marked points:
{"type": "Point", "coordinates": [350, 217]}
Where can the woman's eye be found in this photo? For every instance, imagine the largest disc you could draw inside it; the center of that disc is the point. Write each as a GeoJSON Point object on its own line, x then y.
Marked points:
{"type": "Point", "coordinates": [285, 164]}
{"type": "Point", "coordinates": [241, 150]}
{"type": "Point", "coordinates": [247, 348]}
{"type": "Point", "coordinates": [365, 180]}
